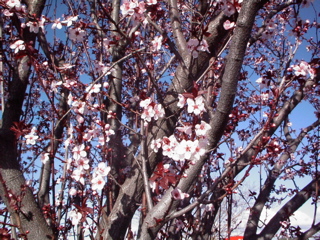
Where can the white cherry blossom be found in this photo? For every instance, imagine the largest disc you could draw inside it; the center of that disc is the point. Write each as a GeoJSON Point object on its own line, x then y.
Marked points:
{"type": "Point", "coordinates": [202, 128]}
{"type": "Point", "coordinates": [97, 183]}
{"type": "Point", "coordinates": [182, 101]}
{"type": "Point", "coordinates": [13, 3]}
{"type": "Point", "coordinates": [75, 217]}
{"type": "Point", "coordinates": [78, 175]}
{"type": "Point", "coordinates": [31, 138]}
{"type": "Point", "coordinates": [76, 34]}
{"type": "Point", "coordinates": [18, 45]}
{"type": "Point", "coordinates": [102, 169]}
{"type": "Point", "coordinates": [79, 152]}
{"type": "Point", "coordinates": [196, 105]}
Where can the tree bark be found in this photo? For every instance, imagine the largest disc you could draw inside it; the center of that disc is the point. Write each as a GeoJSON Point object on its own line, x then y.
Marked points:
{"type": "Point", "coordinates": [26, 213]}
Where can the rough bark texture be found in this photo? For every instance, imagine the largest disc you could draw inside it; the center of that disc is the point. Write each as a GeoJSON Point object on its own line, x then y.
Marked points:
{"type": "Point", "coordinates": [19, 199]}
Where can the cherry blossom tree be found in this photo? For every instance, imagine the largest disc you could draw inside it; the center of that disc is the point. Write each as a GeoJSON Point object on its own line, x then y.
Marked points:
{"type": "Point", "coordinates": [158, 110]}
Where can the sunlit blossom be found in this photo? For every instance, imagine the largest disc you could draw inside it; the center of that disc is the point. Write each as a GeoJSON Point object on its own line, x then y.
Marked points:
{"type": "Point", "coordinates": [79, 152]}
{"type": "Point", "coordinates": [82, 163]}
{"type": "Point", "coordinates": [45, 158]}
{"type": "Point", "coordinates": [182, 101]}
{"type": "Point", "coordinates": [13, 3]}
{"type": "Point", "coordinates": [228, 25]}
{"type": "Point", "coordinates": [102, 169]}
{"type": "Point", "coordinates": [187, 129]}
{"type": "Point", "coordinates": [97, 183]}
{"type": "Point", "coordinates": [151, 2]}
{"type": "Point", "coordinates": [262, 82]}
{"type": "Point", "coordinates": [156, 43]}
{"type": "Point", "coordinates": [156, 144]}
{"type": "Point", "coordinates": [57, 24]}
{"type": "Point", "coordinates": [196, 105]}
{"type": "Point", "coordinates": [73, 191]}
{"type": "Point", "coordinates": [18, 45]}
{"type": "Point", "coordinates": [32, 137]}
{"type": "Point", "coordinates": [69, 20]}
{"type": "Point", "coordinates": [202, 128]}
{"type": "Point", "coordinates": [75, 217]}
{"type": "Point", "coordinates": [186, 149]}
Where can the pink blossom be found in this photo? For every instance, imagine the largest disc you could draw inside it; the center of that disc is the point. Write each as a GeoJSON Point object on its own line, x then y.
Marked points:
{"type": "Point", "coordinates": [200, 149]}
{"type": "Point", "coordinates": [33, 26]}
{"type": "Point", "coordinates": [194, 46]}
{"type": "Point", "coordinates": [151, 2]}
{"type": "Point", "coordinates": [57, 24]}
{"type": "Point", "coordinates": [13, 3]}
{"type": "Point", "coordinates": [168, 146]}
{"type": "Point", "coordinates": [7, 13]}
{"type": "Point", "coordinates": [102, 68]}
{"type": "Point", "coordinates": [97, 183]}
{"type": "Point", "coordinates": [145, 103]}
{"type": "Point", "coordinates": [156, 43]}
{"type": "Point", "coordinates": [228, 25]}
{"type": "Point", "coordinates": [127, 7]}
{"type": "Point", "coordinates": [158, 111]}
{"type": "Point", "coordinates": [187, 129]}
{"type": "Point", "coordinates": [156, 144]}
{"type": "Point", "coordinates": [76, 34]}
{"type": "Point", "coordinates": [262, 82]}
{"type": "Point", "coordinates": [148, 113]}
{"type": "Point", "coordinates": [79, 152]}
{"type": "Point", "coordinates": [302, 69]}
{"type": "Point", "coordinates": [102, 169]}
{"type": "Point", "coordinates": [18, 45]}
{"type": "Point", "coordinates": [69, 20]}
{"type": "Point", "coordinates": [264, 96]}
{"type": "Point", "coordinates": [78, 175]}
{"type": "Point", "coordinates": [93, 88]}
{"type": "Point", "coordinates": [177, 194]}
{"type": "Point", "coordinates": [80, 107]}
{"type": "Point", "coordinates": [73, 191]}
{"type": "Point", "coordinates": [31, 137]}
{"type": "Point", "coordinates": [82, 163]}
{"type": "Point", "coordinates": [182, 101]}
{"type": "Point", "coordinates": [141, 9]}
{"type": "Point", "coordinates": [186, 148]}
{"type": "Point", "coordinates": [75, 217]}
{"type": "Point", "coordinates": [44, 158]}
{"type": "Point", "coordinates": [202, 128]}
{"type": "Point", "coordinates": [196, 106]}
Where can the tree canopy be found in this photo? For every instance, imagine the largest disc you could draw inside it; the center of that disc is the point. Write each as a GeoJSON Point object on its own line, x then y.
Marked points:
{"type": "Point", "coordinates": [162, 111]}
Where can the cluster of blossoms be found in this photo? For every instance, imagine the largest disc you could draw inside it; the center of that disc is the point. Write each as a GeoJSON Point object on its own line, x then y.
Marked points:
{"type": "Point", "coordinates": [151, 110]}
{"type": "Point", "coordinates": [182, 150]}
{"type": "Point", "coordinates": [136, 10]}
{"type": "Point", "coordinates": [186, 149]}
{"type": "Point", "coordinates": [134, 7]}
{"type": "Point", "coordinates": [303, 69]}
{"type": "Point", "coordinates": [194, 46]}
{"type": "Point", "coordinates": [81, 164]}
{"type": "Point", "coordinates": [14, 6]}
{"type": "Point", "coordinates": [99, 174]}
